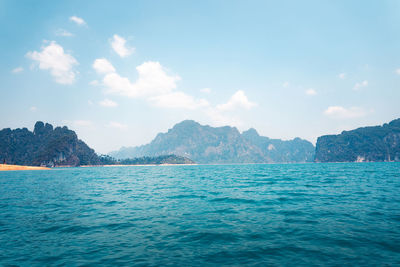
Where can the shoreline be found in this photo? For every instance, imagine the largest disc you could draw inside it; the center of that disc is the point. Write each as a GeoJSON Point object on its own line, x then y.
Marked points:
{"type": "Point", "coordinates": [8, 167]}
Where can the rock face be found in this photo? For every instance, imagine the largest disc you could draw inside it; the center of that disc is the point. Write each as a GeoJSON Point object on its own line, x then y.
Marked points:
{"type": "Point", "coordinates": [378, 143]}
{"type": "Point", "coordinates": [205, 144]}
{"type": "Point", "coordinates": [45, 146]}
{"type": "Point", "coordinates": [276, 150]}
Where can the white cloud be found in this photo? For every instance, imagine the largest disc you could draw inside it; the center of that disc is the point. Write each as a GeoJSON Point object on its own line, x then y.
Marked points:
{"type": "Point", "coordinates": [178, 100]}
{"type": "Point", "coordinates": [116, 125]}
{"type": "Point", "coordinates": [311, 92]}
{"type": "Point", "coordinates": [153, 80]}
{"type": "Point", "coordinates": [60, 64]}
{"type": "Point", "coordinates": [119, 45]}
{"type": "Point", "coordinates": [153, 84]}
{"type": "Point", "coordinates": [17, 70]}
{"type": "Point", "coordinates": [77, 20]}
{"type": "Point", "coordinates": [103, 66]}
{"type": "Point", "coordinates": [205, 90]}
{"type": "Point", "coordinates": [397, 71]}
{"type": "Point", "coordinates": [359, 85]}
{"type": "Point", "coordinates": [33, 109]}
{"type": "Point", "coordinates": [108, 103]}
{"type": "Point", "coordinates": [342, 75]}
{"type": "Point", "coordinates": [237, 100]}
{"type": "Point", "coordinates": [285, 84]}
{"type": "Point", "coordinates": [222, 115]}
{"type": "Point", "coordinates": [118, 85]}
{"type": "Point", "coordinates": [339, 112]}
{"type": "Point", "coordinates": [159, 88]}
{"type": "Point", "coordinates": [64, 33]}
{"type": "Point", "coordinates": [90, 102]}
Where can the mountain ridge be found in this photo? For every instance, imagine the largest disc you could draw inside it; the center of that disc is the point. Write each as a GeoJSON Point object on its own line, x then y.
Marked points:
{"type": "Point", "coordinates": [225, 144]}
{"type": "Point", "coordinates": [60, 146]}
{"type": "Point", "coordinates": [45, 146]}
{"type": "Point", "coordinates": [364, 144]}
{"type": "Point", "coordinates": [189, 141]}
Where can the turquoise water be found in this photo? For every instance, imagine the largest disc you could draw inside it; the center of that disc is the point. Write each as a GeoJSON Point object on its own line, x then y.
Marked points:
{"type": "Point", "coordinates": [241, 215]}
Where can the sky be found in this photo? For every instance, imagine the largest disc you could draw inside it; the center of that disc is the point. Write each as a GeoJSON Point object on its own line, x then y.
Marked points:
{"type": "Point", "coordinates": [119, 72]}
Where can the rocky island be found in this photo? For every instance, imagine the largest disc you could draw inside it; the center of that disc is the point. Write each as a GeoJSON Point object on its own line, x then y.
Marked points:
{"type": "Point", "coordinates": [366, 144]}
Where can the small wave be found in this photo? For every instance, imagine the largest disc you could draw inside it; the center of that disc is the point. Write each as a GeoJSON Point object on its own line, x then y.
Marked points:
{"type": "Point", "coordinates": [77, 229]}
{"type": "Point", "coordinates": [213, 237]}
{"type": "Point", "coordinates": [292, 213]}
{"type": "Point", "coordinates": [186, 196]}
{"type": "Point", "coordinates": [233, 200]}
{"type": "Point", "coordinates": [50, 229]}
{"type": "Point", "coordinates": [118, 226]}
{"type": "Point", "coordinates": [112, 203]}
{"type": "Point", "coordinates": [224, 211]}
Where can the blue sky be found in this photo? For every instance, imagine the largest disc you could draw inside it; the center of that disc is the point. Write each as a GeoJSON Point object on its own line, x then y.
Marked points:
{"type": "Point", "coordinates": [120, 72]}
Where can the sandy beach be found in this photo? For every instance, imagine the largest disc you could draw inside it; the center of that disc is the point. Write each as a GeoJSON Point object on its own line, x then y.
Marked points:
{"type": "Point", "coordinates": [7, 167]}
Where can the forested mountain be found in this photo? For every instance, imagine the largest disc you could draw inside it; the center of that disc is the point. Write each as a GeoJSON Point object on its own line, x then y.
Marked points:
{"type": "Point", "coordinates": [189, 140]}
{"type": "Point", "coordinates": [377, 143]}
{"type": "Point", "coordinates": [45, 146]}
{"type": "Point", "coordinates": [276, 150]}
{"type": "Point", "coordinates": [206, 144]}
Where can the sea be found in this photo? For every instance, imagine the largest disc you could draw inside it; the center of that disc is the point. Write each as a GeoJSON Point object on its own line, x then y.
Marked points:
{"type": "Point", "coordinates": [335, 214]}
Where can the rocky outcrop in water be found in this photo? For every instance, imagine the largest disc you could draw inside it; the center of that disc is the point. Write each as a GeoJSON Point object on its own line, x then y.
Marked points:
{"type": "Point", "coordinates": [45, 146]}
{"type": "Point", "coordinates": [377, 143]}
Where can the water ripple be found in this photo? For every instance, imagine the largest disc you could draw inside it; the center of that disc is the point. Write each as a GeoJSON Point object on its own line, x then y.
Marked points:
{"type": "Point", "coordinates": [220, 215]}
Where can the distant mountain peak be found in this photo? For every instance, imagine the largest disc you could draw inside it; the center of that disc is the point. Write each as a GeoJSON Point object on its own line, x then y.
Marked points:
{"type": "Point", "coordinates": [225, 144]}
{"type": "Point", "coordinates": [251, 132]}
{"type": "Point", "coordinates": [41, 128]}
{"type": "Point", "coordinates": [187, 123]}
